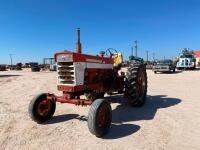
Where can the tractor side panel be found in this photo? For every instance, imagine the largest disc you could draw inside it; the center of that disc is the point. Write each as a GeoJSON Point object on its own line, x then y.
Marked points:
{"type": "Point", "coordinates": [98, 79]}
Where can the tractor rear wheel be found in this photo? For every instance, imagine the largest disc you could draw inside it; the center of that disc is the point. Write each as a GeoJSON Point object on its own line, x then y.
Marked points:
{"type": "Point", "coordinates": [99, 117]}
{"type": "Point", "coordinates": [41, 109]}
{"type": "Point", "coordinates": [136, 84]}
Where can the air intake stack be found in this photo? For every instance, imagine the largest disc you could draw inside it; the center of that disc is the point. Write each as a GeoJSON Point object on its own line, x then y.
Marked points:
{"type": "Point", "coordinates": [78, 44]}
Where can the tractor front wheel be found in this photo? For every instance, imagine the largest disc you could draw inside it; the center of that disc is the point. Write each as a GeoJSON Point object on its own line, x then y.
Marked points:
{"type": "Point", "coordinates": [41, 109]}
{"type": "Point", "coordinates": [99, 117]}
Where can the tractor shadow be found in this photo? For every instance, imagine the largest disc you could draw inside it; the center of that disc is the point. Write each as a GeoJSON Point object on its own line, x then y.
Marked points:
{"type": "Point", "coordinates": [125, 113]}
{"type": "Point", "coordinates": [61, 118]}
{"type": "Point", "coordinates": [65, 117]}
{"type": "Point", "coordinates": [121, 130]}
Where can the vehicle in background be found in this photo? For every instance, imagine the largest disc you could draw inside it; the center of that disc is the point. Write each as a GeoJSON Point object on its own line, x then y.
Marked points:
{"type": "Point", "coordinates": [35, 67]}
{"type": "Point", "coordinates": [53, 67]}
{"type": "Point", "coordinates": [186, 60]}
{"type": "Point", "coordinates": [136, 59]}
{"type": "Point", "coordinates": [2, 67]}
{"type": "Point", "coordinates": [166, 65]}
{"type": "Point", "coordinates": [132, 59]}
{"type": "Point", "coordinates": [18, 66]}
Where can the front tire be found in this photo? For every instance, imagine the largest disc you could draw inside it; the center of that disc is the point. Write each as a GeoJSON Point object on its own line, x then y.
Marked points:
{"type": "Point", "coordinates": [99, 117]}
{"type": "Point", "coordinates": [136, 84]}
{"type": "Point", "coordinates": [41, 109]}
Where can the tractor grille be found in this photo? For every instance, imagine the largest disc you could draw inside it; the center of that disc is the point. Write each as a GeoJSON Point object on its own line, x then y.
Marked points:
{"type": "Point", "coordinates": [66, 73]}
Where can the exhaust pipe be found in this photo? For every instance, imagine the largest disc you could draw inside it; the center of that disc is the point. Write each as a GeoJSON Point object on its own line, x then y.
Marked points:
{"type": "Point", "coordinates": [78, 44]}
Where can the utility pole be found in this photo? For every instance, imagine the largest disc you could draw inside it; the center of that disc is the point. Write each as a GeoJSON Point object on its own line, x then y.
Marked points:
{"type": "Point", "coordinates": [153, 56]}
{"type": "Point", "coordinates": [131, 51]}
{"type": "Point", "coordinates": [10, 60]}
{"type": "Point", "coordinates": [136, 47]}
{"type": "Point", "coordinates": [147, 56]}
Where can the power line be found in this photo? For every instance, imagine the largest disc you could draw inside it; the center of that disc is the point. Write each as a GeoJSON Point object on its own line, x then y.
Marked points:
{"type": "Point", "coordinates": [147, 56]}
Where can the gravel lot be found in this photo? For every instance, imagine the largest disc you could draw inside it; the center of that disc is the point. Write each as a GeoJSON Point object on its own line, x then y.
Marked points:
{"type": "Point", "coordinates": [170, 119]}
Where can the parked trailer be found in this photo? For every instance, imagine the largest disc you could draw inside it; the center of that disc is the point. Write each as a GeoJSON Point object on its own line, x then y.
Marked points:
{"type": "Point", "coordinates": [166, 65]}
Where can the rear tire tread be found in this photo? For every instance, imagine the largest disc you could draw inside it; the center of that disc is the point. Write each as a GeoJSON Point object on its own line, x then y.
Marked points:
{"type": "Point", "coordinates": [131, 86]}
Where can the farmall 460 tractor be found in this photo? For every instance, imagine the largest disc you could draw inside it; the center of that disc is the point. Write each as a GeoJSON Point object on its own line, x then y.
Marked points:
{"type": "Point", "coordinates": [93, 76]}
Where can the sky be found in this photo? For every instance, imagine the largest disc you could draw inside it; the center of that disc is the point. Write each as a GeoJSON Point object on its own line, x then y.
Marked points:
{"type": "Point", "coordinates": [31, 30]}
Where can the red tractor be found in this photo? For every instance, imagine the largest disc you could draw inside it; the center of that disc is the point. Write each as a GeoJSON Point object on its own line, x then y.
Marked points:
{"type": "Point", "coordinates": [93, 76]}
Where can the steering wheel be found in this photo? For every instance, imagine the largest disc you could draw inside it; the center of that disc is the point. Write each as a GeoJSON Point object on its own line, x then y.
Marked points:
{"type": "Point", "coordinates": [111, 51]}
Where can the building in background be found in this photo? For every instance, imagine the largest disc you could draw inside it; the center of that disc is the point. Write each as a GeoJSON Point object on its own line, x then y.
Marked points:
{"type": "Point", "coordinates": [197, 56]}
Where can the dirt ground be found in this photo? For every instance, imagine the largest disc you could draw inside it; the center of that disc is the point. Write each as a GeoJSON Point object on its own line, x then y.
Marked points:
{"type": "Point", "coordinates": [170, 119]}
